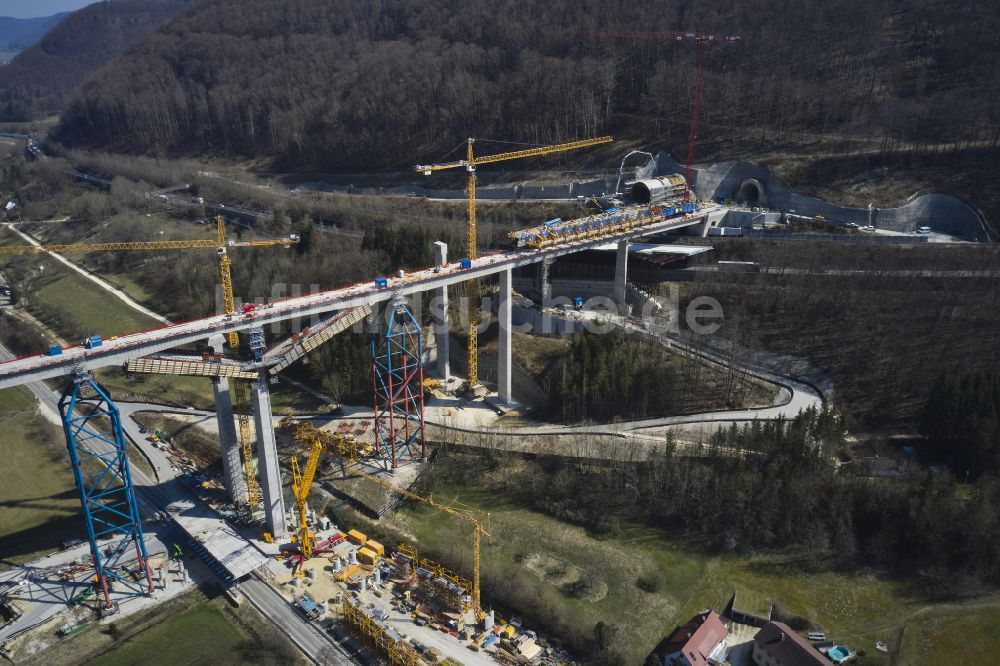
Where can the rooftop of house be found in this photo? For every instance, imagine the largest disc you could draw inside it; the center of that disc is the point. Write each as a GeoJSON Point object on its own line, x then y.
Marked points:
{"type": "Point", "coordinates": [788, 647]}
{"type": "Point", "coordinates": [697, 639]}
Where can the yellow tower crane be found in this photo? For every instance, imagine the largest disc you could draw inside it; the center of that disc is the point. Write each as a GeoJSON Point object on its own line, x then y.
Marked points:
{"type": "Point", "coordinates": [221, 245]}
{"type": "Point", "coordinates": [470, 164]}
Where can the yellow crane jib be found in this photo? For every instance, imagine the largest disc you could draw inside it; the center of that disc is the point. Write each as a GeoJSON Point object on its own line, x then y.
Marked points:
{"type": "Point", "coordinates": [470, 163]}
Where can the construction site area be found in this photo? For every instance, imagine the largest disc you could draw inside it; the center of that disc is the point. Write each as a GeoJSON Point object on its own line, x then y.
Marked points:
{"type": "Point", "coordinates": [263, 524]}
{"type": "Point", "coordinates": [253, 523]}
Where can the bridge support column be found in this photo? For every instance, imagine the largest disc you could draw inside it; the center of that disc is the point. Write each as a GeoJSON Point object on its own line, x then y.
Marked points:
{"type": "Point", "coordinates": [232, 459]}
{"type": "Point", "coordinates": [441, 319]}
{"type": "Point", "coordinates": [232, 456]}
{"type": "Point", "coordinates": [267, 458]}
{"type": "Point", "coordinates": [544, 285]}
{"type": "Point", "coordinates": [504, 342]}
{"type": "Point", "coordinates": [621, 275]}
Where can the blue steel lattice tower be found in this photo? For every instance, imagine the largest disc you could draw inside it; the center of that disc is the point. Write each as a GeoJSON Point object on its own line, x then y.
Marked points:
{"type": "Point", "coordinates": [97, 449]}
{"type": "Point", "coordinates": [397, 379]}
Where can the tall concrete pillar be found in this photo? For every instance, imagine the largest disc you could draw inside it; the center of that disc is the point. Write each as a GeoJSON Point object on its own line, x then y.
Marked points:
{"type": "Point", "coordinates": [621, 274]}
{"type": "Point", "coordinates": [267, 458]}
{"type": "Point", "coordinates": [504, 342]}
{"type": "Point", "coordinates": [232, 458]}
{"type": "Point", "coordinates": [440, 313]}
{"type": "Point", "coordinates": [544, 285]}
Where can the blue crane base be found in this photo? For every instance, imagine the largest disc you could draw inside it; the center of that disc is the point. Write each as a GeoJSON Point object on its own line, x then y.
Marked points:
{"type": "Point", "coordinates": [98, 452]}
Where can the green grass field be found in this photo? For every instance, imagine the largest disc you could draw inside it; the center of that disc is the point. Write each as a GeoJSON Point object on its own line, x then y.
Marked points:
{"type": "Point", "coordinates": [964, 635]}
{"type": "Point", "coordinates": [199, 635]}
{"type": "Point", "coordinates": [39, 507]}
{"type": "Point", "coordinates": [540, 557]}
{"type": "Point", "coordinates": [95, 310]}
{"type": "Point", "coordinates": [67, 302]}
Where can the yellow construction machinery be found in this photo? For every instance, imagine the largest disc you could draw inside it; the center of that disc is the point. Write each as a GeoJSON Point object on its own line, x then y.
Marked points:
{"type": "Point", "coordinates": [470, 164]}
{"type": "Point", "coordinates": [221, 245]}
{"type": "Point", "coordinates": [316, 441]}
{"type": "Point", "coordinates": [319, 440]}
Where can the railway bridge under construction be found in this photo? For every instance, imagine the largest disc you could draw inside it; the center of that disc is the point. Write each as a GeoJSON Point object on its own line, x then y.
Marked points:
{"type": "Point", "coordinates": [342, 308]}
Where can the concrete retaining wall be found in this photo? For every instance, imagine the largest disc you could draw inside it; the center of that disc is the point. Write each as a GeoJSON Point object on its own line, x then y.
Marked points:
{"type": "Point", "coordinates": [940, 212]}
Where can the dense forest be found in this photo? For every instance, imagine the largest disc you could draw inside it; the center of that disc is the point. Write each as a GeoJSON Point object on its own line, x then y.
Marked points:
{"type": "Point", "coordinates": [348, 84]}
{"type": "Point", "coordinates": [881, 336]}
{"type": "Point", "coordinates": [406, 246]}
{"type": "Point", "coordinates": [962, 422]}
{"type": "Point", "coordinates": [604, 377]}
{"type": "Point", "coordinates": [35, 82]}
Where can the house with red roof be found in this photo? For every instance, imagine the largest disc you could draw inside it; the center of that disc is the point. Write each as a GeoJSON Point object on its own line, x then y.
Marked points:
{"type": "Point", "coordinates": [700, 642]}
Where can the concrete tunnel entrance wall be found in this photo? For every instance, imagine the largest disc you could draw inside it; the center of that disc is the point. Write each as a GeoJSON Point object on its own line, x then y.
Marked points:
{"type": "Point", "coordinates": [752, 192]}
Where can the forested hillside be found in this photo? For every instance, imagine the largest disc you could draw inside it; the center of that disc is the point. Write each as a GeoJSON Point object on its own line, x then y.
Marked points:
{"type": "Point", "coordinates": [36, 81]}
{"type": "Point", "coordinates": [349, 84]}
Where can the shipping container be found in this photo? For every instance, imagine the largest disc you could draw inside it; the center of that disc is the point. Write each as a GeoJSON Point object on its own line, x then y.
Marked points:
{"type": "Point", "coordinates": [93, 341]}
{"type": "Point", "coordinates": [55, 350]}
{"type": "Point", "coordinates": [375, 547]}
{"type": "Point", "coordinates": [366, 556]}
{"type": "Point", "coordinates": [381, 283]}
{"type": "Point", "coordinates": [466, 263]}
{"type": "Point", "coordinates": [357, 537]}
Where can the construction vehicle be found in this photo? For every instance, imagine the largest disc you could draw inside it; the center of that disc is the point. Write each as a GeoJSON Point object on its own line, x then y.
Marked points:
{"type": "Point", "coordinates": [221, 246]}
{"type": "Point", "coordinates": [317, 440]}
{"type": "Point", "coordinates": [431, 384]}
{"type": "Point", "coordinates": [82, 597]}
{"type": "Point", "coordinates": [471, 289]}
{"type": "Point", "coordinates": [308, 606]}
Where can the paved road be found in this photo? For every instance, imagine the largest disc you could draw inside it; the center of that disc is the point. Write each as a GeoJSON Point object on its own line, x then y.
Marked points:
{"type": "Point", "coordinates": [317, 644]}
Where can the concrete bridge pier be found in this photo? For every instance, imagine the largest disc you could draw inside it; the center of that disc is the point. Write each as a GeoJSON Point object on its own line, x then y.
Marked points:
{"type": "Point", "coordinates": [544, 283]}
{"type": "Point", "coordinates": [440, 313]}
{"type": "Point", "coordinates": [504, 342]}
{"type": "Point", "coordinates": [713, 219]}
{"type": "Point", "coordinates": [232, 458]}
{"type": "Point", "coordinates": [268, 468]}
{"type": "Point", "coordinates": [621, 275]}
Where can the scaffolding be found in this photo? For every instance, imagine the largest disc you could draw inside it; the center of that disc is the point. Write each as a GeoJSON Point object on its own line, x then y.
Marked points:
{"type": "Point", "coordinates": [384, 640]}
{"type": "Point", "coordinates": [397, 380]}
{"type": "Point", "coordinates": [605, 223]}
{"type": "Point", "coordinates": [98, 451]}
